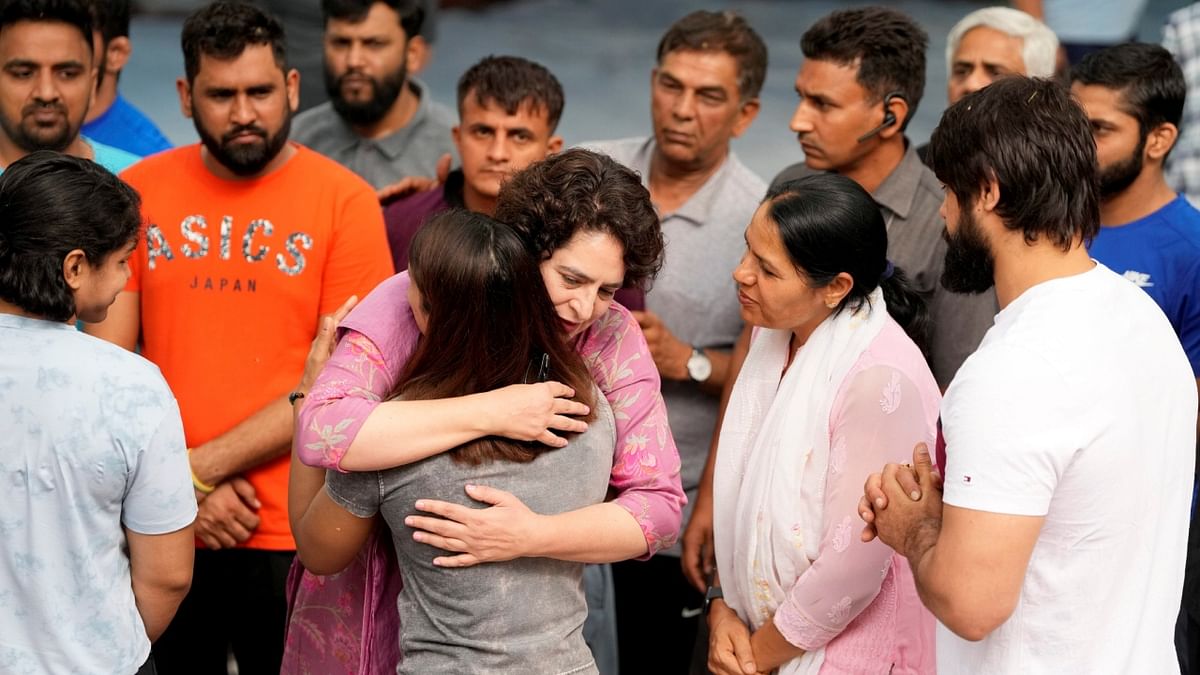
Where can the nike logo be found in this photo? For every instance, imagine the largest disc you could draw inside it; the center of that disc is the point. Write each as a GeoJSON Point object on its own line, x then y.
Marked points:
{"type": "Point", "coordinates": [691, 613]}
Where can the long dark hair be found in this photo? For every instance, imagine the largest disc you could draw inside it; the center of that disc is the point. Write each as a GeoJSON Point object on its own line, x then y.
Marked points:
{"type": "Point", "coordinates": [491, 323]}
{"type": "Point", "coordinates": [830, 225]}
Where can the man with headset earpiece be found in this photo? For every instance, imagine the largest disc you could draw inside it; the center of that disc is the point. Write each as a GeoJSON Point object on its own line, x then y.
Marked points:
{"type": "Point", "coordinates": [861, 81]}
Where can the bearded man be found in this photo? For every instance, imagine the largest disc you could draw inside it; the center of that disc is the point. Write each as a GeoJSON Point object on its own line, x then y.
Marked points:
{"type": "Point", "coordinates": [378, 122]}
{"type": "Point", "coordinates": [249, 239]}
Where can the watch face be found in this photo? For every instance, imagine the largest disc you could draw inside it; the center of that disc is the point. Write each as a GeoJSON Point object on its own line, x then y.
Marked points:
{"type": "Point", "coordinates": [699, 367]}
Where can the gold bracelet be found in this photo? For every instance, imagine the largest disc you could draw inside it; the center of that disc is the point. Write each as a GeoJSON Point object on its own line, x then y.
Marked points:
{"type": "Point", "coordinates": [200, 485]}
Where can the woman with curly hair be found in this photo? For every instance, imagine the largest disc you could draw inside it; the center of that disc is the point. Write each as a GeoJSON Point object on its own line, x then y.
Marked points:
{"type": "Point", "coordinates": [591, 224]}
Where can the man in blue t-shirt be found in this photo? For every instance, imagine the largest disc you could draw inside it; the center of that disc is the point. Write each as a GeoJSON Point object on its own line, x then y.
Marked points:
{"type": "Point", "coordinates": [1133, 94]}
{"type": "Point", "coordinates": [112, 119]}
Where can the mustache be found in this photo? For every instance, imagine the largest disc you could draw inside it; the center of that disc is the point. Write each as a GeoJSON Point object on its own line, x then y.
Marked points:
{"type": "Point", "coordinates": [38, 106]}
{"type": "Point", "coordinates": [241, 129]}
{"type": "Point", "coordinates": [358, 75]}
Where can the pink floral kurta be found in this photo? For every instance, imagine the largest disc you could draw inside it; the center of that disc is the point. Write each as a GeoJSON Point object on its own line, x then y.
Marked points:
{"type": "Point", "coordinates": [347, 623]}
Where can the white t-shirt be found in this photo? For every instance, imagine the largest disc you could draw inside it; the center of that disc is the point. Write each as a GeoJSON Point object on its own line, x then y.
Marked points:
{"type": "Point", "coordinates": [1079, 406]}
{"type": "Point", "coordinates": [91, 444]}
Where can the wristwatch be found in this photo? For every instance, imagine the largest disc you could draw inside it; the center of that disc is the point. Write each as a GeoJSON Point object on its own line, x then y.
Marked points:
{"type": "Point", "coordinates": [713, 593]}
{"type": "Point", "coordinates": [698, 366]}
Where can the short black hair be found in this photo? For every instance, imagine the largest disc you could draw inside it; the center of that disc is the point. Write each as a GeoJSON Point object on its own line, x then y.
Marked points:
{"type": "Point", "coordinates": [1151, 83]}
{"type": "Point", "coordinates": [510, 81]}
{"type": "Point", "coordinates": [111, 18]}
{"type": "Point", "coordinates": [1033, 139]}
{"type": "Point", "coordinates": [223, 30]}
{"type": "Point", "coordinates": [71, 12]}
{"type": "Point", "coordinates": [583, 191]}
{"type": "Point", "coordinates": [726, 32]}
{"type": "Point", "coordinates": [886, 45]}
{"type": "Point", "coordinates": [50, 205]}
{"type": "Point", "coordinates": [412, 14]}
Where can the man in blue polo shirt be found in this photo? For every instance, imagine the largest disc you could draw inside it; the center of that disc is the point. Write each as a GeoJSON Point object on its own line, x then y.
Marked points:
{"type": "Point", "coordinates": [1133, 94]}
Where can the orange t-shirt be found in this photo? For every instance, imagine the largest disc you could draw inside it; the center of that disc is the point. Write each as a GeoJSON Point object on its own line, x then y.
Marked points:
{"type": "Point", "coordinates": [233, 276]}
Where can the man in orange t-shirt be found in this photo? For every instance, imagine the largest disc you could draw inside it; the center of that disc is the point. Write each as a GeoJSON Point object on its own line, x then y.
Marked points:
{"type": "Point", "coordinates": [249, 240]}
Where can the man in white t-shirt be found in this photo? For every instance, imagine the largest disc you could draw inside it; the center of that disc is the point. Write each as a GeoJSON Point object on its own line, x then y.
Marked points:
{"type": "Point", "coordinates": [1069, 434]}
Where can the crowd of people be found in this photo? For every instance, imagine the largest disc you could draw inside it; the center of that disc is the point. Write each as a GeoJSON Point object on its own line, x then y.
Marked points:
{"type": "Point", "coordinates": [389, 387]}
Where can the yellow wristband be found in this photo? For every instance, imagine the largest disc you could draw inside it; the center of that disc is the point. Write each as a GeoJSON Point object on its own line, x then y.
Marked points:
{"type": "Point", "coordinates": [200, 485]}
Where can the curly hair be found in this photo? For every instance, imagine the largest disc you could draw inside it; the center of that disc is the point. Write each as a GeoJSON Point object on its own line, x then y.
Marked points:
{"type": "Point", "coordinates": [583, 191]}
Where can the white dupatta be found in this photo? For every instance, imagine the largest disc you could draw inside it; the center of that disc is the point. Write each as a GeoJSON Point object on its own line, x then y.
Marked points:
{"type": "Point", "coordinates": [769, 482]}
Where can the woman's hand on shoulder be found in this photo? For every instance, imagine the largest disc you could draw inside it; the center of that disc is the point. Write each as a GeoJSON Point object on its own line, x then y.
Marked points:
{"type": "Point", "coordinates": [533, 412]}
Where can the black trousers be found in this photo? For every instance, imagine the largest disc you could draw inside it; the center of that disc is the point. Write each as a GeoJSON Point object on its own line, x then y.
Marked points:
{"type": "Point", "coordinates": [237, 602]}
{"type": "Point", "coordinates": [658, 614]}
{"type": "Point", "coordinates": [1187, 630]}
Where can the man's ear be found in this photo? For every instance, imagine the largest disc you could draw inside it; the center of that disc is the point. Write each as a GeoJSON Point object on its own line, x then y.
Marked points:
{"type": "Point", "coordinates": [746, 114]}
{"type": "Point", "coordinates": [898, 107]}
{"type": "Point", "coordinates": [117, 55]}
{"type": "Point", "coordinates": [75, 269]}
{"type": "Point", "coordinates": [291, 81]}
{"type": "Point", "coordinates": [417, 55]}
{"type": "Point", "coordinates": [554, 145]}
{"type": "Point", "coordinates": [1160, 140]}
{"type": "Point", "coordinates": [989, 195]}
{"type": "Point", "coordinates": [185, 96]}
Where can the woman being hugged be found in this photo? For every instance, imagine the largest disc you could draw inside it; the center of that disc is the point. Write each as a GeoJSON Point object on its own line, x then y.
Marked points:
{"type": "Point", "coordinates": [486, 323]}
{"type": "Point", "coordinates": [834, 383]}
{"type": "Point", "coordinates": [590, 224]}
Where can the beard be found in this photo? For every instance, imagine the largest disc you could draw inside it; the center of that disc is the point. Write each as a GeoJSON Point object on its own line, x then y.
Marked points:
{"type": "Point", "coordinates": [245, 159]}
{"type": "Point", "coordinates": [384, 92]}
{"type": "Point", "coordinates": [970, 266]}
{"type": "Point", "coordinates": [1118, 176]}
{"type": "Point", "coordinates": [31, 137]}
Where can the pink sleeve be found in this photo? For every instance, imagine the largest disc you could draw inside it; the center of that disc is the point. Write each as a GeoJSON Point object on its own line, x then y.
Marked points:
{"type": "Point", "coordinates": [352, 384]}
{"type": "Point", "coordinates": [375, 342]}
{"type": "Point", "coordinates": [645, 474]}
{"type": "Point", "coordinates": [878, 417]}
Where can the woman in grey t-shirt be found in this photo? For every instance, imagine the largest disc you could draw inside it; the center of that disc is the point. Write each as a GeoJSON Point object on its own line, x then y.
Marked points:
{"type": "Point", "coordinates": [486, 322]}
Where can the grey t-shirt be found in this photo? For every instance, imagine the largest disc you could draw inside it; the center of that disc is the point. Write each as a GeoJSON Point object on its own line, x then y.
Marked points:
{"type": "Point", "coordinates": [410, 151]}
{"type": "Point", "coordinates": [521, 616]}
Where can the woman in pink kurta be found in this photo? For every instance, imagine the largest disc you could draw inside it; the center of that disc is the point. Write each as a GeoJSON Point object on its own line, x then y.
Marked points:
{"type": "Point", "coordinates": [831, 386]}
{"type": "Point", "coordinates": [347, 622]}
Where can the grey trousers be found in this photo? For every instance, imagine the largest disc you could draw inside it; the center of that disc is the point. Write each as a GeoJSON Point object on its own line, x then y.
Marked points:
{"type": "Point", "coordinates": [600, 629]}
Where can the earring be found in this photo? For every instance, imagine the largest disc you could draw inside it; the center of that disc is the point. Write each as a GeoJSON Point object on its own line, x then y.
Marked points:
{"type": "Point", "coordinates": [830, 304]}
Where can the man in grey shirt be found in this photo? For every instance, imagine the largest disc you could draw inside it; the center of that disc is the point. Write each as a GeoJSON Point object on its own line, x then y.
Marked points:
{"type": "Point", "coordinates": [379, 122]}
{"type": "Point", "coordinates": [868, 65]}
{"type": "Point", "coordinates": [704, 92]}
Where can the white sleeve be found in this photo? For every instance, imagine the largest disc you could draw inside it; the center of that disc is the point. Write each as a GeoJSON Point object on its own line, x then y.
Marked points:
{"type": "Point", "coordinates": [160, 498]}
{"type": "Point", "coordinates": [1007, 422]}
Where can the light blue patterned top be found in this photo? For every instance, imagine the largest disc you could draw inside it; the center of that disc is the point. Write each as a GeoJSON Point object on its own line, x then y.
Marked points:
{"type": "Point", "coordinates": [90, 442]}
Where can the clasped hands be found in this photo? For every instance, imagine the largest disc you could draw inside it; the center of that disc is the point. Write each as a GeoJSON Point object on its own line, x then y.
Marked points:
{"type": "Point", "coordinates": [896, 500]}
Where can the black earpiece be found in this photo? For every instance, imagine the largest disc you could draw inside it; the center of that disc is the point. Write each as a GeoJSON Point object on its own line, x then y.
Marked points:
{"type": "Point", "coordinates": [889, 117]}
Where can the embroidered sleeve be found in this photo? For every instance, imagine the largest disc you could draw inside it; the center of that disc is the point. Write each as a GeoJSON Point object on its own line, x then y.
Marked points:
{"type": "Point", "coordinates": [645, 474]}
{"type": "Point", "coordinates": [880, 418]}
{"type": "Point", "coordinates": [352, 384]}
